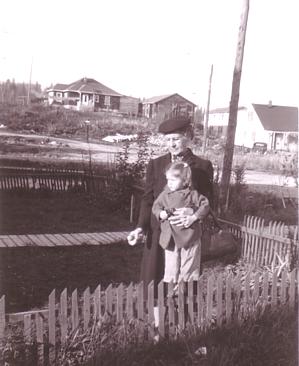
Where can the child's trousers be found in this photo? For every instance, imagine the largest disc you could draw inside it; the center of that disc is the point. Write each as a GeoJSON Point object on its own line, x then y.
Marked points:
{"type": "Point", "coordinates": [182, 264]}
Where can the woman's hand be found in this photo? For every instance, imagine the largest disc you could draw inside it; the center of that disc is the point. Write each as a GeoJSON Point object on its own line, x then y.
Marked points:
{"type": "Point", "coordinates": [136, 236]}
{"type": "Point", "coordinates": [182, 217]}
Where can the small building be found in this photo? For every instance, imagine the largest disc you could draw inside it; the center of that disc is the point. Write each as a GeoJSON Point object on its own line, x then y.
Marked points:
{"type": "Point", "coordinates": [277, 126]}
{"type": "Point", "coordinates": [166, 105]}
{"type": "Point", "coordinates": [129, 106]}
{"type": "Point", "coordinates": [84, 94]}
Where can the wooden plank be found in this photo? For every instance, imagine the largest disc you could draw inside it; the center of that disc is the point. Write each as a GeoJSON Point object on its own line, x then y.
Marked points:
{"type": "Point", "coordinates": [63, 316]}
{"type": "Point", "coordinates": [244, 240]}
{"type": "Point", "coordinates": [292, 291]}
{"type": "Point", "coordinates": [8, 242]}
{"type": "Point", "coordinates": [64, 240]}
{"type": "Point", "coordinates": [17, 240]}
{"type": "Point", "coordinates": [40, 339]}
{"type": "Point", "coordinates": [3, 243]}
{"type": "Point", "coordinates": [150, 309]}
{"type": "Point", "coordinates": [25, 240]}
{"type": "Point", "coordinates": [2, 316]}
{"type": "Point", "coordinates": [58, 239]}
{"type": "Point", "coordinates": [98, 302]}
{"type": "Point", "coordinates": [260, 241]}
{"type": "Point", "coordinates": [108, 299]}
{"type": "Point", "coordinates": [171, 310]}
{"type": "Point", "coordinates": [41, 240]}
{"type": "Point", "coordinates": [247, 297]}
{"type": "Point", "coordinates": [92, 239]}
{"type": "Point", "coordinates": [120, 303]}
{"type": "Point", "coordinates": [78, 238]}
{"type": "Point", "coordinates": [237, 295]}
{"type": "Point", "coordinates": [283, 295]}
{"type": "Point", "coordinates": [256, 288]}
{"type": "Point", "coordinates": [265, 293]}
{"type": "Point", "coordinates": [161, 309]}
{"type": "Point", "coordinates": [129, 307]}
{"type": "Point", "coordinates": [75, 310]}
{"type": "Point", "coordinates": [27, 328]}
{"type": "Point", "coordinates": [84, 239]}
{"type": "Point", "coordinates": [255, 240]}
{"type": "Point", "coordinates": [73, 240]}
{"type": "Point", "coordinates": [274, 289]}
{"type": "Point", "coordinates": [209, 303]}
{"type": "Point", "coordinates": [228, 299]}
{"type": "Point", "coordinates": [119, 235]}
{"type": "Point", "coordinates": [86, 308]}
{"type": "Point", "coordinates": [200, 304]}
{"type": "Point", "coordinates": [191, 301]}
{"type": "Point", "coordinates": [140, 310]}
{"type": "Point", "coordinates": [52, 319]}
{"type": "Point", "coordinates": [110, 236]}
{"type": "Point", "coordinates": [100, 239]}
{"type": "Point", "coordinates": [181, 305]}
{"type": "Point", "coordinates": [219, 290]}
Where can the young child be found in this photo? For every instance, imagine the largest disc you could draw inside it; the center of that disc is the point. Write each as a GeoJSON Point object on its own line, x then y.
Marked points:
{"type": "Point", "coordinates": [182, 244]}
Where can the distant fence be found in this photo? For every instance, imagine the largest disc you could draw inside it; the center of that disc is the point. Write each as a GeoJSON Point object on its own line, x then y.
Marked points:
{"type": "Point", "coordinates": [275, 245]}
{"type": "Point", "coordinates": [211, 300]}
{"type": "Point", "coordinates": [56, 180]}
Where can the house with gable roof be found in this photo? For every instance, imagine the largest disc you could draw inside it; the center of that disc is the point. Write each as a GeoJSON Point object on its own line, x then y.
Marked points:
{"type": "Point", "coordinates": [84, 94]}
{"type": "Point", "coordinates": [165, 105]}
{"type": "Point", "coordinates": [275, 125]}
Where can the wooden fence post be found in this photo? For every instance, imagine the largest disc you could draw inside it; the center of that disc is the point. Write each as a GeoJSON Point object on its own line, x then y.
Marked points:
{"type": "Point", "coordinates": [63, 316]}
{"type": "Point", "coordinates": [161, 309]}
{"type": "Point", "coordinates": [86, 308]}
{"type": "Point", "coordinates": [2, 316]}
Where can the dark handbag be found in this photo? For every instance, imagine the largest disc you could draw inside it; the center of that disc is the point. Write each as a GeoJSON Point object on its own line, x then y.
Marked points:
{"type": "Point", "coordinates": [216, 241]}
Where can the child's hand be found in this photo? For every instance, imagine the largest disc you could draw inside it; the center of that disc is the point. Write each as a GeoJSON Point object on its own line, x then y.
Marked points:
{"type": "Point", "coordinates": [163, 215]}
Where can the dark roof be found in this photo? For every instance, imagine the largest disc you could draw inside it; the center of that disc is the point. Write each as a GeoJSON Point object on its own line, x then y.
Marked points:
{"type": "Point", "coordinates": [91, 86]}
{"type": "Point", "coordinates": [59, 87]}
{"type": "Point", "coordinates": [277, 118]}
{"type": "Point", "coordinates": [86, 85]}
{"type": "Point", "coordinates": [159, 98]}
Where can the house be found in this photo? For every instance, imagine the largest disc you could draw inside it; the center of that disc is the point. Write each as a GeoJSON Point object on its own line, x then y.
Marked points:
{"type": "Point", "coordinates": [166, 105]}
{"type": "Point", "coordinates": [277, 126]}
{"type": "Point", "coordinates": [129, 106]}
{"type": "Point", "coordinates": [84, 94]}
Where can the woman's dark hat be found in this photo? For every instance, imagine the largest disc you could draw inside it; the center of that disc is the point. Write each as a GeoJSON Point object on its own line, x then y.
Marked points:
{"type": "Point", "coordinates": [174, 125]}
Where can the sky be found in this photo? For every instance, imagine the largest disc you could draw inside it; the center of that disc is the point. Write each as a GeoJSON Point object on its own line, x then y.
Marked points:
{"type": "Point", "coordinates": [145, 48]}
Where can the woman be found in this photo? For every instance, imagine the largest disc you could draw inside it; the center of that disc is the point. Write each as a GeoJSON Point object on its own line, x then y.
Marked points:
{"type": "Point", "coordinates": [178, 134]}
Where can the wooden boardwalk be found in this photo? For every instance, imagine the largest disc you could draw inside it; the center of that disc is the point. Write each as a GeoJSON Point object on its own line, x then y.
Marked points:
{"type": "Point", "coordinates": [54, 240]}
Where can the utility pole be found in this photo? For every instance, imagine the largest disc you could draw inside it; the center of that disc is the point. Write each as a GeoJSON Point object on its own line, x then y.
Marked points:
{"type": "Point", "coordinates": [233, 110]}
{"type": "Point", "coordinates": [29, 86]}
{"type": "Point", "coordinates": [206, 126]}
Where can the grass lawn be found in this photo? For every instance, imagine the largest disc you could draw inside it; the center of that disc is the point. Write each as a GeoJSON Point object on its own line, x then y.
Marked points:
{"type": "Point", "coordinates": [45, 212]}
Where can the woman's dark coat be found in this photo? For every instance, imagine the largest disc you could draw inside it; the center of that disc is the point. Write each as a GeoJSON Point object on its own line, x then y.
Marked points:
{"type": "Point", "coordinates": [152, 266]}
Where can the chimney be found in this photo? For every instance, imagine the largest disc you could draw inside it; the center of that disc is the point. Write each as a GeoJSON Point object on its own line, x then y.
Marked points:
{"type": "Point", "coordinates": [270, 103]}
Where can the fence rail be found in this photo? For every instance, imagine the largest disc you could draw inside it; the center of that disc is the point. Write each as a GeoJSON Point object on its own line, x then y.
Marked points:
{"type": "Point", "coordinates": [50, 180]}
{"type": "Point", "coordinates": [212, 300]}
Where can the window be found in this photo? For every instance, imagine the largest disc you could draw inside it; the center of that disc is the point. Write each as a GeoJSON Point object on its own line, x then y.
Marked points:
{"type": "Point", "coordinates": [107, 100]}
{"type": "Point", "coordinates": [97, 98]}
{"type": "Point", "coordinates": [58, 95]}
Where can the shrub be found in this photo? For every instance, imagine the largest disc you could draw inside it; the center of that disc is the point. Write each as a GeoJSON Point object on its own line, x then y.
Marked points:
{"type": "Point", "coordinates": [126, 175]}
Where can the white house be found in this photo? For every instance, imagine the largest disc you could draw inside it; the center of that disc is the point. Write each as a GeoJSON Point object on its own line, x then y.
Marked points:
{"type": "Point", "coordinates": [277, 126]}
